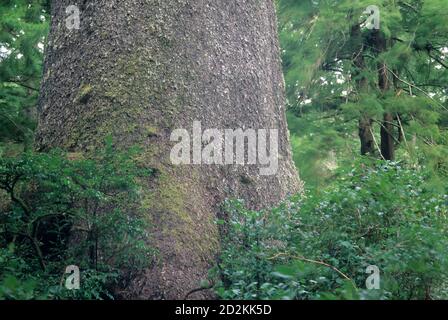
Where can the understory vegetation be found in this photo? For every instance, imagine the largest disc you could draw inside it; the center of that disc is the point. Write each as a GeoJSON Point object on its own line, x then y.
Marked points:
{"type": "Point", "coordinates": [319, 245]}
{"type": "Point", "coordinates": [61, 209]}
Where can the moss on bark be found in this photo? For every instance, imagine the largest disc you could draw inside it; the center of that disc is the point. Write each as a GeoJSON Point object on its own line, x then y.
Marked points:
{"type": "Point", "coordinates": [140, 69]}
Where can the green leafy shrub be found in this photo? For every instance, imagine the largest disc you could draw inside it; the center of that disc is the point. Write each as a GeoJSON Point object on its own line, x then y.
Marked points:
{"type": "Point", "coordinates": [318, 246]}
{"type": "Point", "coordinates": [61, 209]}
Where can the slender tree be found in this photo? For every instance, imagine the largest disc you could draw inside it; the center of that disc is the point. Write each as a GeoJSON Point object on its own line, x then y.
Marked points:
{"type": "Point", "coordinates": [365, 128]}
{"type": "Point", "coordinates": [385, 84]}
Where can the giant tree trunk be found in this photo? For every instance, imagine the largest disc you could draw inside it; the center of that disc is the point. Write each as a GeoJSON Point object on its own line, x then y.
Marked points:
{"type": "Point", "coordinates": [138, 69]}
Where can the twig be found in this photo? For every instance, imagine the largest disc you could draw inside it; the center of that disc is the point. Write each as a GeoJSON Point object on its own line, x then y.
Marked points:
{"type": "Point", "coordinates": [23, 85]}
{"type": "Point", "coordinates": [315, 262]}
{"type": "Point", "coordinates": [376, 143]}
{"type": "Point", "coordinates": [402, 131]}
{"type": "Point", "coordinates": [419, 89]}
{"type": "Point", "coordinates": [197, 290]}
{"type": "Point", "coordinates": [387, 130]}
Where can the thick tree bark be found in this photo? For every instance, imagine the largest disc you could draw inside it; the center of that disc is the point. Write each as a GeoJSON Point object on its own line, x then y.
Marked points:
{"type": "Point", "coordinates": [139, 69]}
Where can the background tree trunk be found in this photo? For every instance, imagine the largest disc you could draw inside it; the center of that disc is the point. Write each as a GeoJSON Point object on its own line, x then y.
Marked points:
{"type": "Point", "coordinates": [365, 130]}
{"type": "Point", "coordinates": [384, 83]}
{"type": "Point", "coordinates": [138, 69]}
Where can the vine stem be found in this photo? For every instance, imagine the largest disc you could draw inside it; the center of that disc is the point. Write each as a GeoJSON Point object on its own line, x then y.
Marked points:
{"type": "Point", "coordinates": [315, 262]}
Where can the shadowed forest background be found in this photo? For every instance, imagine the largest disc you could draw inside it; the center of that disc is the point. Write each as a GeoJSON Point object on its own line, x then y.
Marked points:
{"type": "Point", "coordinates": [367, 114]}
